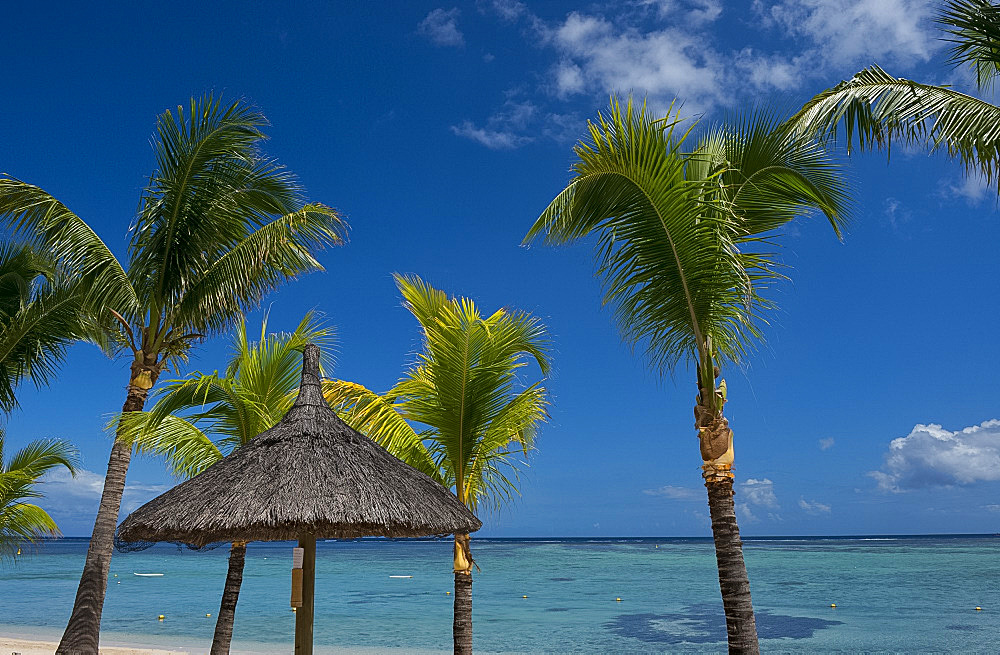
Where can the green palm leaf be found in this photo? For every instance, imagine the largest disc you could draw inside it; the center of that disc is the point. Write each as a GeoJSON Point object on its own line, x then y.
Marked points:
{"type": "Point", "coordinates": [39, 218]}
{"type": "Point", "coordinates": [973, 27]}
{"type": "Point", "coordinates": [279, 250]}
{"type": "Point", "coordinates": [873, 109]}
{"type": "Point", "coordinates": [465, 389]}
{"type": "Point", "coordinates": [22, 522]}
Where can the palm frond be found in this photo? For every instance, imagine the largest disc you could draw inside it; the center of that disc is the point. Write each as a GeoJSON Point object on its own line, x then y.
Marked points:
{"type": "Point", "coordinates": [23, 523]}
{"type": "Point", "coordinates": [873, 109]}
{"type": "Point", "coordinates": [973, 28]}
{"type": "Point", "coordinates": [668, 261]}
{"type": "Point", "coordinates": [186, 450]}
{"type": "Point", "coordinates": [44, 221]}
{"type": "Point", "coordinates": [464, 388]}
{"type": "Point", "coordinates": [237, 281]}
{"type": "Point", "coordinates": [34, 339]}
{"type": "Point", "coordinates": [41, 456]}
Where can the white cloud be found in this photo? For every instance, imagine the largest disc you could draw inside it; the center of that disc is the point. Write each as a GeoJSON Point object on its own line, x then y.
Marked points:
{"type": "Point", "coordinates": [675, 493]}
{"type": "Point", "coordinates": [973, 189]}
{"type": "Point", "coordinates": [895, 213]}
{"type": "Point", "coordinates": [745, 514]}
{"type": "Point", "coordinates": [931, 456]}
{"type": "Point", "coordinates": [441, 27]}
{"type": "Point", "coordinates": [759, 492]}
{"type": "Point", "coordinates": [992, 508]}
{"type": "Point", "coordinates": [757, 496]}
{"type": "Point", "coordinates": [599, 56]}
{"type": "Point", "coordinates": [509, 10]}
{"type": "Point", "coordinates": [86, 484]}
{"type": "Point", "coordinates": [849, 32]}
{"type": "Point", "coordinates": [765, 72]}
{"type": "Point", "coordinates": [814, 507]}
{"type": "Point", "coordinates": [692, 11]}
{"type": "Point", "coordinates": [826, 443]}
{"type": "Point", "coordinates": [504, 130]}
{"type": "Point", "coordinates": [66, 495]}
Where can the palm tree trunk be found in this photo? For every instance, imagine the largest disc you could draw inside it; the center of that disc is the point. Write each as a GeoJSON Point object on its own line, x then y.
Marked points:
{"type": "Point", "coordinates": [741, 626]}
{"type": "Point", "coordinates": [227, 611]}
{"type": "Point", "coordinates": [716, 440]}
{"type": "Point", "coordinates": [462, 623]}
{"type": "Point", "coordinates": [83, 631]}
{"type": "Point", "coordinates": [461, 627]}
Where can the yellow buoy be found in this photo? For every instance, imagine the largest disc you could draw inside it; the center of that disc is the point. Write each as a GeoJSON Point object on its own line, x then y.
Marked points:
{"type": "Point", "coordinates": [447, 593]}
{"type": "Point", "coordinates": [523, 596]}
{"type": "Point", "coordinates": [618, 600]}
{"type": "Point", "coordinates": [208, 616]}
{"type": "Point", "coordinates": [18, 551]}
{"type": "Point", "coordinates": [833, 604]}
{"type": "Point", "coordinates": [161, 617]}
{"type": "Point", "coordinates": [978, 608]}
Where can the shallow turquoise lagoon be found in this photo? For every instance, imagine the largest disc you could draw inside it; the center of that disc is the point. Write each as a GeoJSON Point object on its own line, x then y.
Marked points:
{"type": "Point", "coordinates": [893, 594]}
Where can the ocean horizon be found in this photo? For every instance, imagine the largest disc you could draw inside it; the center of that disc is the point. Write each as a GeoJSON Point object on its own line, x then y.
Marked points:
{"type": "Point", "coordinates": [894, 593]}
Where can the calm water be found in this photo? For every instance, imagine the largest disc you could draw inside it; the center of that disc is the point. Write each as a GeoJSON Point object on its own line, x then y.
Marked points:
{"type": "Point", "coordinates": [907, 594]}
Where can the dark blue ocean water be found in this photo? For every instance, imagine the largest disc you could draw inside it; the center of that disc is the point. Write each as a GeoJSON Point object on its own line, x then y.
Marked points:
{"type": "Point", "coordinates": [893, 594]}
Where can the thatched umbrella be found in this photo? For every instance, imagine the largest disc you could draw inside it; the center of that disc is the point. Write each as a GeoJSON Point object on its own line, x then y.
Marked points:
{"type": "Point", "coordinates": [309, 477]}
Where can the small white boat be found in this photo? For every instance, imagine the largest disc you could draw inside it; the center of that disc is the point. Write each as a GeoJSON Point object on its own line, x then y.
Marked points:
{"type": "Point", "coordinates": [148, 575]}
{"type": "Point", "coordinates": [400, 576]}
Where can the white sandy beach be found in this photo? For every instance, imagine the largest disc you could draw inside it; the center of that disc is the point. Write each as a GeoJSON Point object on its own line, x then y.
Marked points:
{"type": "Point", "coordinates": [27, 647]}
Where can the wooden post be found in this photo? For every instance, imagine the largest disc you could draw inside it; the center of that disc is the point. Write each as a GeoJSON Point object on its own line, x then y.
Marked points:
{"type": "Point", "coordinates": [304, 614]}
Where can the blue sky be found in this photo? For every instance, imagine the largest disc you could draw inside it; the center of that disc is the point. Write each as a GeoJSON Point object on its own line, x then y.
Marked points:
{"type": "Point", "coordinates": [442, 130]}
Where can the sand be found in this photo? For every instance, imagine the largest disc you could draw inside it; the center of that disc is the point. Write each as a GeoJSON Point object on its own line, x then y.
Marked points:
{"type": "Point", "coordinates": [26, 647]}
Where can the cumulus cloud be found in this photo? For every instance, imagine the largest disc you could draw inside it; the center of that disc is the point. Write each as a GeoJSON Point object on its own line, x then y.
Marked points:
{"type": "Point", "coordinates": [778, 72]}
{"type": "Point", "coordinates": [504, 130]}
{"type": "Point", "coordinates": [973, 189]}
{"type": "Point", "coordinates": [66, 495]}
{"type": "Point", "coordinates": [759, 492]}
{"type": "Point", "coordinates": [675, 493]}
{"type": "Point", "coordinates": [845, 32]}
{"type": "Point", "coordinates": [757, 496]}
{"type": "Point", "coordinates": [441, 27]}
{"type": "Point", "coordinates": [598, 55]}
{"type": "Point", "coordinates": [813, 507]}
{"type": "Point", "coordinates": [826, 443]}
{"type": "Point", "coordinates": [508, 10]}
{"type": "Point", "coordinates": [930, 456]}
{"type": "Point", "coordinates": [692, 11]}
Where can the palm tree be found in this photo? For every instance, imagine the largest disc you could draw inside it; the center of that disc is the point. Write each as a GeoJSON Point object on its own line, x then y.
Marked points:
{"type": "Point", "coordinates": [23, 522]}
{"type": "Point", "coordinates": [476, 416]}
{"type": "Point", "coordinates": [218, 227]}
{"type": "Point", "coordinates": [202, 418]}
{"type": "Point", "coordinates": [41, 314]}
{"type": "Point", "coordinates": [874, 108]}
{"type": "Point", "coordinates": [679, 238]}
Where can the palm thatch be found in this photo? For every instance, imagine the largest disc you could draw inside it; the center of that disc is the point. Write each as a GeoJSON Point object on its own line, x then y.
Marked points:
{"type": "Point", "coordinates": [309, 474]}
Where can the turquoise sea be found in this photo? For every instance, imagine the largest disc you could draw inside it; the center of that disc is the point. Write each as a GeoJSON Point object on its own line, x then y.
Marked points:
{"type": "Point", "coordinates": [893, 594]}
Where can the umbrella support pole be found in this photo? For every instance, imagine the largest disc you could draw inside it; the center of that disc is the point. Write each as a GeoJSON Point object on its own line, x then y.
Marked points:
{"type": "Point", "coordinates": [304, 614]}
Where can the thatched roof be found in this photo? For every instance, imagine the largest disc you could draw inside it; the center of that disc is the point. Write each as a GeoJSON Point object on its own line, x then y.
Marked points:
{"type": "Point", "coordinates": [311, 473]}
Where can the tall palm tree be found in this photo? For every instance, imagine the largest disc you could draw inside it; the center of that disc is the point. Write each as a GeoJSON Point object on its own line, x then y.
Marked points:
{"type": "Point", "coordinates": [873, 108]}
{"type": "Point", "coordinates": [679, 248]}
{"type": "Point", "coordinates": [476, 418]}
{"type": "Point", "coordinates": [41, 314]}
{"type": "Point", "coordinates": [202, 418]}
{"type": "Point", "coordinates": [24, 522]}
{"type": "Point", "coordinates": [218, 227]}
